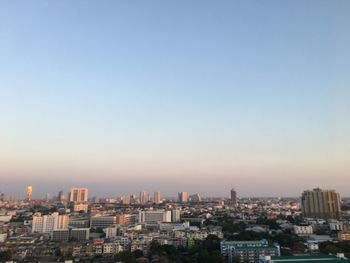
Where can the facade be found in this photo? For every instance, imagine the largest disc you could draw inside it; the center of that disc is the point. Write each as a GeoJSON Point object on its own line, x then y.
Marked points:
{"type": "Point", "coordinates": [103, 221]}
{"type": "Point", "coordinates": [344, 236]}
{"type": "Point", "coordinates": [195, 198]}
{"type": "Point", "coordinates": [156, 198]}
{"type": "Point", "coordinates": [80, 234]}
{"type": "Point", "coordinates": [175, 215]}
{"type": "Point", "coordinates": [182, 197]}
{"type": "Point", "coordinates": [29, 192]}
{"type": "Point", "coordinates": [233, 196]}
{"type": "Point", "coordinates": [303, 230]}
{"type": "Point", "coordinates": [144, 197]}
{"type": "Point", "coordinates": [48, 223]}
{"type": "Point", "coordinates": [154, 216]}
{"type": "Point", "coordinates": [319, 203]}
{"type": "Point", "coordinates": [78, 195]}
{"type": "Point", "coordinates": [248, 251]}
{"type": "Point", "coordinates": [60, 235]}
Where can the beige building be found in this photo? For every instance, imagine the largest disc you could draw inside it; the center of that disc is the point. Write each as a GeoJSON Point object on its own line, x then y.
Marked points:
{"type": "Point", "coordinates": [318, 203]}
{"type": "Point", "coordinates": [344, 236]}
{"type": "Point", "coordinates": [78, 195]}
{"type": "Point", "coordinates": [156, 198]}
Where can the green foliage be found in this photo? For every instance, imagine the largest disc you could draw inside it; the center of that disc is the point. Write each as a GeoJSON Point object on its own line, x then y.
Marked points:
{"type": "Point", "coordinates": [126, 257]}
{"type": "Point", "coordinates": [330, 247]}
{"type": "Point", "coordinates": [5, 255]}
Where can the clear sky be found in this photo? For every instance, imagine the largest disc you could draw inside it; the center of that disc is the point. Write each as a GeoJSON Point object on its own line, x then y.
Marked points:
{"type": "Point", "coordinates": [197, 96]}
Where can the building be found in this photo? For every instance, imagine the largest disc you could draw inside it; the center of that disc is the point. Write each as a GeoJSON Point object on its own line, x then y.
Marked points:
{"type": "Point", "coordinates": [248, 251]}
{"type": "Point", "coordinates": [78, 195]}
{"type": "Point", "coordinates": [182, 197]}
{"type": "Point", "coordinates": [29, 193]}
{"type": "Point", "coordinates": [80, 207]}
{"type": "Point", "coordinates": [175, 215]}
{"type": "Point", "coordinates": [103, 221]}
{"type": "Point", "coordinates": [60, 235]}
{"type": "Point", "coordinates": [303, 230]}
{"type": "Point", "coordinates": [154, 216]}
{"type": "Point", "coordinates": [195, 198]}
{"type": "Point", "coordinates": [60, 196]}
{"type": "Point", "coordinates": [233, 197]}
{"type": "Point", "coordinates": [319, 203]}
{"type": "Point", "coordinates": [80, 234]}
{"type": "Point", "coordinates": [344, 236]}
{"type": "Point", "coordinates": [48, 223]}
{"type": "Point", "coordinates": [111, 231]}
{"type": "Point", "coordinates": [144, 197]}
{"type": "Point", "coordinates": [156, 198]}
{"type": "Point", "coordinates": [126, 200]}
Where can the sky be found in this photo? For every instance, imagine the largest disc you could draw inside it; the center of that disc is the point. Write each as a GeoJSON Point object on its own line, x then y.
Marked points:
{"type": "Point", "coordinates": [196, 96]}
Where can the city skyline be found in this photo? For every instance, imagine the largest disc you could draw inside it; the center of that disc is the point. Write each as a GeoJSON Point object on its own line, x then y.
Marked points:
{"type": "Point", "coordinates": [147, 195]}
{"type": "Point", "coordinates": [182, 96]}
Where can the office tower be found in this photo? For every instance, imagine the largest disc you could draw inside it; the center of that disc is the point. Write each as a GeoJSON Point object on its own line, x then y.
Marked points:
{"type": "Point", "coordinates": [126, 200]}
{"type": "Point", "coordinates": [318, 203]}
{"type": "Point", "coordinates": [233, 197]}
{"type": "Point", "coordinates": [2, 197]}
{"type": "Point", "coordinates": [48, 223]}
{"type": "Point", "coordinates": [182, 197]}
{"type": "Point", "coordinates": [156, 198]}
{"type": "Point", "coordinates": [29, 192]}
{"type": "Point", "coordinates": [78, 195]}
{"type": "Point", "coordinates": [60, 196]}
{"type": "Point", "coordinates": [143, 197]}
{"type": "Point", "coordinates": [195, 198]}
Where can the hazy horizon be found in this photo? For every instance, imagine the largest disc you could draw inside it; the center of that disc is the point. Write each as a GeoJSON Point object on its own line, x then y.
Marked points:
{"type": "Point", "coordinates": [175, 96]}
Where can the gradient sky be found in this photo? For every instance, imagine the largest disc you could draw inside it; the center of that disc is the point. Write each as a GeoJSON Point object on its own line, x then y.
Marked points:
{"type": "Point", "coordinates": [197, 96]}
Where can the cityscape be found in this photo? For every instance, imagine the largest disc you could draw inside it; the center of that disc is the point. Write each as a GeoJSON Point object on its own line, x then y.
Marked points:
{"type": "Point", "coordinates": [187, 228]}
{"type": "Point", "coordinates": [160, 131]}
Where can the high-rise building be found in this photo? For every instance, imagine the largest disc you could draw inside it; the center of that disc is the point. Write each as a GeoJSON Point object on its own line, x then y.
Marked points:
{"type": "Point", "coordinates": [29, 192]}
{"type": "Point", "coordinates": [78, 198]}
{"type": "Point", "coordinates": [126, 200]}
{"type": "Point", "coordinates": [78, 195]}
{"type": "Point", "coordinates": [144, 197]}
{"type": "Point", "coordinates": [60, 196]}
{"type": "Point", "coordinates": [48, 223]}
{"type": "Point", "coordinates": [195, 198]}
{"type": "Point", "coordinates": [233, 197]}
{"type": "Point", "coordinates": [156, 198]}
{"type": "Point", "coordinates": [182, 197]}
{"type": "Point", "coordinates": [318, 203]}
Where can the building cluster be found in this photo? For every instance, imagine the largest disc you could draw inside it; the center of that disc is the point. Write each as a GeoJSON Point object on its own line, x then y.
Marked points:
{"type": "Point", "coordinates": [81, 227]}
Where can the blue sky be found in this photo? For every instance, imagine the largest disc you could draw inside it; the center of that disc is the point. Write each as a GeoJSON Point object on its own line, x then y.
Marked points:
{"type": "Point", "coordinates": [193, 96]}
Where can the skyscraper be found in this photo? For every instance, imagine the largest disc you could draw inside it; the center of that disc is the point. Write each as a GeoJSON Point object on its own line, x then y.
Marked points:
{"type": "Point", "coordinates": [318, 203]}
{"type": "Point", "coordinates": [143, 197]}
{"type": "Point", "coordinates": [78, 195]}
{"type": "Point", "coordinates": [156, 197]}
{"type": "Point", "coordinates": [182, 197]}
{"type": "Point", "coordinates": [78, 198]}
{"type": "Point", "coordinates": [29, 192]}
{"type": "Point", "coordinates": [233, 197]}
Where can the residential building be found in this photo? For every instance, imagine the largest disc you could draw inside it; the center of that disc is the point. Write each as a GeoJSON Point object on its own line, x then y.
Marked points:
{"type": "Point", "coordinates": [319, 203]}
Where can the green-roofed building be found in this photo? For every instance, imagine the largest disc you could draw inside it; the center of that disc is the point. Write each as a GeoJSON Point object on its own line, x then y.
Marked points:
{"type": "Point", "coordinates": [339, 258]}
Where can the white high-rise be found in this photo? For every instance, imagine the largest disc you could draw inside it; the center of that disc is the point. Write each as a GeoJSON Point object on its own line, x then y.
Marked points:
{"type": "Point", "coordinates": [78, 195]}
{"type": "Point", "coordinates": [48, 223]}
